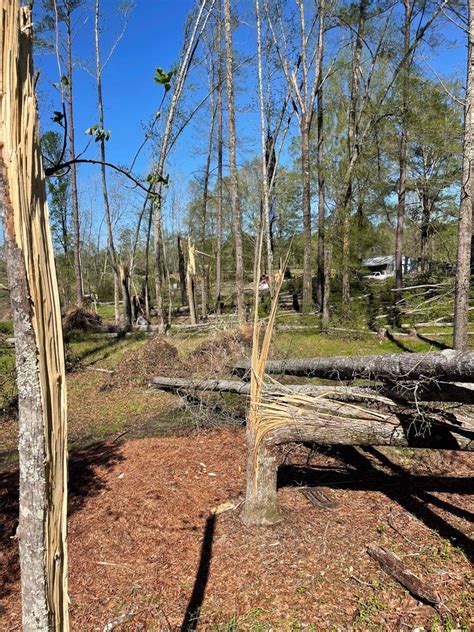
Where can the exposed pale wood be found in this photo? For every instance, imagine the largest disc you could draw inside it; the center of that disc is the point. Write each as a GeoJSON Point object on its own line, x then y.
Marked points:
{"type": "Point", "coordinates": [38, 334]}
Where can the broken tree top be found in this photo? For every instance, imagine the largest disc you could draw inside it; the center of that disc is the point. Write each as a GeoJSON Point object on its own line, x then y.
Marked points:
{"type": "Point", "coordinates": [448, 365]}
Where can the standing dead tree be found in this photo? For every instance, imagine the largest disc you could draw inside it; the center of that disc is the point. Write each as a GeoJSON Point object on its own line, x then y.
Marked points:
{"type": "Point", "coordinates": [38, 334]}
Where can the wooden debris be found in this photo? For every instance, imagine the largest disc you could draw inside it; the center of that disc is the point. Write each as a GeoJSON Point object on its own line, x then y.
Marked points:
{"type": "Point", "coordinates": [394, 567]}
{"type": "Point", "coordinates": [319, 498]}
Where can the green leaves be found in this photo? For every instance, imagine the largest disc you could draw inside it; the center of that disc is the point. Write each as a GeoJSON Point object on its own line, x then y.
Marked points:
{"type": "Point", "coordinates": [163, 78]}
{"type": "Point", "coordinates": [98, 133]}
{"type": "Point", "coordinates": [154, 178]}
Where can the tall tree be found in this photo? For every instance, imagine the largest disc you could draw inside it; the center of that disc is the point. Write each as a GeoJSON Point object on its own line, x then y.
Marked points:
{"type": "Point", "coordinates": [234, 182]}
{"type": "Point", "coordinates": [121, 270]}
{"type": "Point", "coordinates": [463, 272]}
{"type": "Point", "coordinates": [304, 91]}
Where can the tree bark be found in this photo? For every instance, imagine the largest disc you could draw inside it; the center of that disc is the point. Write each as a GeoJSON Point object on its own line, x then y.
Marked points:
{"type": "Point", "coordinates": [234, 182]}
{"type": "Point", "coordinates": [321, 270]}
{"type": "Point", "coordinates": [352, 149]}
{"type": "Point", "coordinates": [403, 152]}
{"type": "Point", "coordinates": [306, 180]}
{"type": "Point", "coordinates": [446, 366]}
{"type": "Point", "coordinates": [41, 380]}
{"type": "Point", "coordinates": [266, 156]}
{"type": "Point", "coordinates": [182, 271]}
{"type": "Point", "coordinates": [463, 272]}
{"type": "Point", "coordinates": [220, 78]}
{"type": "Point", "coordinates": [72, 155]}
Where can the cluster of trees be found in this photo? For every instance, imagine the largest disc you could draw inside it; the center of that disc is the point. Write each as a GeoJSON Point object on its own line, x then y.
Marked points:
{"type": "Point", "coordinates": [361, 149]}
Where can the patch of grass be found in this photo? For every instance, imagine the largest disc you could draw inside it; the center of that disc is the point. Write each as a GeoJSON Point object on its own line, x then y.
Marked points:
{"type": "Point", "coordinates": [369, 607]}
{"type": "Point", "coordinates": [6, 327]}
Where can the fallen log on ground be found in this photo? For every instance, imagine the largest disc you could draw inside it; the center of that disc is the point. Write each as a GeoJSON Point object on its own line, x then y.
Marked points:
{"type": "Point", "coordinates": [448, 366]}
{"type": "Point", "coordinates": [285, 421]}
{"type": "Point", "coordinates": [420, 425]}
{"type": "Point", "coordinates": [409, 392]}
{"type": "Point", "coordinates": [394, 567]}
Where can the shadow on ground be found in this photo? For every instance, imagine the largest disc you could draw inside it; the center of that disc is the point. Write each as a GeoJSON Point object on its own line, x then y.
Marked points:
{"type": "Point", "coordinates": [412, 492]}
{"type": "Point", "coordinates": [83, 483]}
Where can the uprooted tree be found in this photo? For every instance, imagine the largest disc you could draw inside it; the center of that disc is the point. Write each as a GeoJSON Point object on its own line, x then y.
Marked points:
{"type": "Point", "coordinates": [38, 334]}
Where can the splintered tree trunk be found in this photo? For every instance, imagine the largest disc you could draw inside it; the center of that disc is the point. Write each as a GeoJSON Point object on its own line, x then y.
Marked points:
{"type": "Point", "coordinates": [38, 335]}
{"type": "Point", "coordinates": [463, 273]}
{"type": "Point", "coordinates": [234, 183]}
{"type": "Point", "coordinates": [261, 502]}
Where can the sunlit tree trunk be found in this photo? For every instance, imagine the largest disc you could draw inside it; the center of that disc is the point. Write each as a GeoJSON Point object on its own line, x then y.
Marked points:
{"type": "Point", "coordinates": [72, 154]}
{"type": "Point", "coordinates": [403, 155]}
{"type": "Point", "coordinates": [234, 183]}
{"type": "Point", "coordinates": [463, 272]}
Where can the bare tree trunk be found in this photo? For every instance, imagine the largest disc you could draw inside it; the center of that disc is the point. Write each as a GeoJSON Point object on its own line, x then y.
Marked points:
{"type": "Point", "coordinates": [320, 276]}
{"type": "Point", "coordinates": [220, 78]}
{"type": "Point", "coordinates": [182, 271]}
{"type": "Point", "coordinates": [426, 204]}
{"type": "Point", "coordinates": [166, 142]}
{"type": "Point", "coordinates": [234, 181]}
{"type": "Point", "coordinates": [39, 349]}
{"type": "Point", "coordinates": [118, 273]}
{"type": "Point", "coordinates": [205, 196]}
{"type": "Point", "coordinates": [265, 158]}
{"type": "Point", "coordinates": [403, 154]}
{"type": "Point", "coordinates": [352, 148]}
{"type": "Point", "coordinates": [306, 179]}
{"type": "Point", "coordinates": [72, 154]}
{"type": "Point", "coordinates": [190, 276]}
{"type": "Point", "coordinates": [463, 272]}
{"type": "Point", "coordinates": [327, 287]}
{"type": "Point", "coordinates": [116, 297]}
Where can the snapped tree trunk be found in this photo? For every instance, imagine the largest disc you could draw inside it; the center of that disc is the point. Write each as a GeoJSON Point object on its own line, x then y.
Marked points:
{"type": "Point", "coordinates": [39, 348]}
{"type": "Point", "coordinates": [463, 272]}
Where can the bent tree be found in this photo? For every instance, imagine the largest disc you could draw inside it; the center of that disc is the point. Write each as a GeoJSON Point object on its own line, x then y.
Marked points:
{"type": "Point", "coordinates": [38, 334]}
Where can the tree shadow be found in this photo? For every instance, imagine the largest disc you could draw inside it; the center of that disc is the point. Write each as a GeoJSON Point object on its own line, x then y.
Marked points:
{"type": "Point", "coordinates": [191, 618]}
{"type": "Point", "coordinates": [435, 343]}
{"type": "Point", "coordinates": [83, 483]}
{"type": "Point", "coordinates": [412, 492]}
{"type": "Point", "coordinates": [397, 342]}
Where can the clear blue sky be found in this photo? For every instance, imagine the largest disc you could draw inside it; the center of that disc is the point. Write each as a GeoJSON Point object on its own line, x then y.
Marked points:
{"type": "Point", "coordinates": [154, 38]}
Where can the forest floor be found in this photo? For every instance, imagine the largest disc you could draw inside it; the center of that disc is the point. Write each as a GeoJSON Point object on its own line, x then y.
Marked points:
{"type": "Point", "coordinates": [156, 484]}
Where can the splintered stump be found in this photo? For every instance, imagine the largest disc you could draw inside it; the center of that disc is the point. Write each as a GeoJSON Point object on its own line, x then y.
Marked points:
{"type": "Point", "coordinates": [303, 426]}
{"type": "Point", "coordinates": [261, 502]}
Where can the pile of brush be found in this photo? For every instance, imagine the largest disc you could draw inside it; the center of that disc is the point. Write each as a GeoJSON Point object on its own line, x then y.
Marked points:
{"type": "Point", "coordinates": [79, 319]}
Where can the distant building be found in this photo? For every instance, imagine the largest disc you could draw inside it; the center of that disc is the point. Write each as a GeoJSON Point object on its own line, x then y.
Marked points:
{"type": "Point", "coordinates": [385, 266]}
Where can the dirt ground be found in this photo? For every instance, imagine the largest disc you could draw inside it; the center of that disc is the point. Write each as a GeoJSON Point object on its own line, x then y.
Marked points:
{"type": "Point", "coordinates": [146, 543]}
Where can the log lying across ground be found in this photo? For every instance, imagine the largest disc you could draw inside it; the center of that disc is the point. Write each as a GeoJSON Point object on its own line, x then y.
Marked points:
{"type": "Point", "coordinates": [332, 418]}
{"type": "Point", "coordinates": [448, 366]}
{"type": "Point", "coordinates": [431, 391]}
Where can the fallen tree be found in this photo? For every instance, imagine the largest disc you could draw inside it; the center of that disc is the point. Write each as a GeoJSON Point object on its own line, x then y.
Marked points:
{"type": "Point", "coordinates": [447, 365]}
{"type": "Point", "coordinates": [295, 418]}
{"type": "Point", "coordinates": [414, 392]}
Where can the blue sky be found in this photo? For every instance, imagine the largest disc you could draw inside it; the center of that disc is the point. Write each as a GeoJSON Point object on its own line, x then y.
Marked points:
{"type": "Point", "coordinates": [154, 38]}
